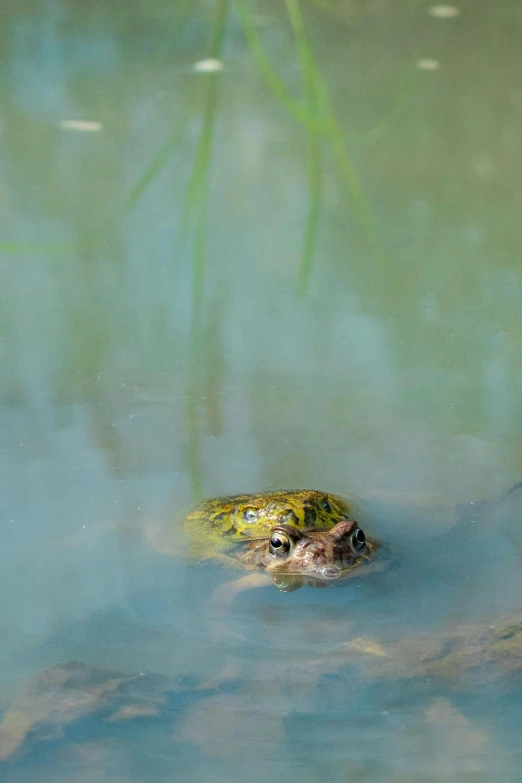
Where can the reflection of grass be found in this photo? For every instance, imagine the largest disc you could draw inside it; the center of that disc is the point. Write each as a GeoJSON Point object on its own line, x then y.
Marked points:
{"type": "Point", "coordinates": [314, 146]}
{"type": "Point", "coordinates": [157, 165]}
{"type": "Point", "coordinates": [270, 75]}
{"type": "Point", "coordinates": [333, 10]}
{"type": "Point", "coordinates": [35, 248]}
{"type": "Point", "coordinates": [178, 17]}
{"type": "Point", "coordinates": [196, 210]}
{"type": "Point", "coordinates": [400, 99]}
{"type": "Point", "coordinates": [316, 115]}
{"type": "Point", "coordinates": [319, 118]}
{"type": "Point", "coordinates": [314, 211]}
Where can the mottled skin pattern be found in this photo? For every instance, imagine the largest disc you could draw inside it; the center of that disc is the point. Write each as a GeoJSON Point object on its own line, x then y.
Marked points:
{"type": "Point", "coordinates": [243, 517]}
{"type": "Point", "coordinates": [325, 555]}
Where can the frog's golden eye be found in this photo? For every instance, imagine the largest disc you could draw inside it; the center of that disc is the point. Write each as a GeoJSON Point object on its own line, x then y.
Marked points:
{"type": "Point", "coordinates": [325, 505]}
{"type": "Point", "coordinates": [358, 539]}
{"type": "Point", "coordinates": [249, 515]}
{"type": "Point", "coordinates": [280, 544]}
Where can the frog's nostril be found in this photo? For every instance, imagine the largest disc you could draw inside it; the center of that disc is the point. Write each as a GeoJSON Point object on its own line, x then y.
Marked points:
{"type": "Point", "coordinates": [330, 572]}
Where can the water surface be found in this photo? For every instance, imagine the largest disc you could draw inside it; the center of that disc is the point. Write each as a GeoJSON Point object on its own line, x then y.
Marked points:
{"type": "Point", "coordinates": [300, 270]}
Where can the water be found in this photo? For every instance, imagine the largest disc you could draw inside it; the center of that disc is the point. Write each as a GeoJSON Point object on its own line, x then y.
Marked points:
{"type": "Point", "coordinates": [301, 270]}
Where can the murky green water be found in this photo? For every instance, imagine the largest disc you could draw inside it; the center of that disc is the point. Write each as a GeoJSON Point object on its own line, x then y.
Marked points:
{"type": "Point", "coordinates": [305, 270]}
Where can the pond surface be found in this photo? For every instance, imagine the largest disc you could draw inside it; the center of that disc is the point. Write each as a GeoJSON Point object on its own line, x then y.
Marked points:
{"type": "Point", "coordinates": [249, 246]}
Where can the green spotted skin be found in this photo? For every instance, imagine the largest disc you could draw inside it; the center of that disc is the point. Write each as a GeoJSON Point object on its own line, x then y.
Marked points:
{"type": "Point", "coordinates": [247, 517]}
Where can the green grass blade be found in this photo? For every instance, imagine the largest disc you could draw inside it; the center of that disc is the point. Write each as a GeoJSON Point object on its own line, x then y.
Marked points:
{"type": "Point", "coordinates": [196, 211]}
{"type": "Point", "coordinates": [314, 147]}
{"type": "Point", "coordinates": [313, 214]}
{"type": "Point", "coordinates": [400, 101]}
{"type": "Point", "coordinates": [279, 88]}
{"type": "Point", "coordinates": [156, 165]}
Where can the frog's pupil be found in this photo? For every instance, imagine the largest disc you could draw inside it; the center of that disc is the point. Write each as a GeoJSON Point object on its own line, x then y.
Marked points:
{"type": "Point", "coordinates": [279, 545]}
{"type": "Point", "coordinates": [327, 506]}
{"type": "Point", "coordinates": [358, 538]}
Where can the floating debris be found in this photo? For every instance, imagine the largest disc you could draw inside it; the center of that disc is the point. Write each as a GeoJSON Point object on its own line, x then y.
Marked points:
{"type": "Point", "coordinates": [444, 11]}
{"type": "Point", "coordinates": [208, 66]}
{"type": "Point", "coordinates": [85, 126]}
{"type": "Point", "coordinates": [428, 65]}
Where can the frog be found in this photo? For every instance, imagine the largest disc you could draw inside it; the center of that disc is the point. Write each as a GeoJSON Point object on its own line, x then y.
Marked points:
{"type": "Point", "coordinates": [297, 537]}
{"type": "Point", "coordinates": [213, 524]}
{"type": "Point", "coordinates": [74, 691]}
{"type": "Point", "coordinates": [318, 558]}
{"type": "Point", "coordinates": [465, 654]}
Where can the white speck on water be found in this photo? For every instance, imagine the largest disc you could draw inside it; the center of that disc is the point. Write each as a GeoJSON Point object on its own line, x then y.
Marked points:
{"type": "Point", "coordinates": [428, 65]}
{"type": "Point", "coordinates": [85, 126]}
{"type": "Point", "coordinates": [444, 11]}
{"type": "Point", "coordinates": [208, 66]}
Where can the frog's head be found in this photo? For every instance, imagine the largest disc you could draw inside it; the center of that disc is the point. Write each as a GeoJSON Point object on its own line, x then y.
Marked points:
{"type": "Point", "coordinates": [323, 556]}
{"type": "Point", "coordinates": [254, 516]}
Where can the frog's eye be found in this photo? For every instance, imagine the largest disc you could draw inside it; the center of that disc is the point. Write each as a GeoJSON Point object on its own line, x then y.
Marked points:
{"type": "Point", "coordinates": [279, 544]}
{"type": "Point", "coordinates": [249, 515]}
{"type": "Point", "coordinates": [325, 505]}
{"type": "Point", "coordinates": [358, 539]}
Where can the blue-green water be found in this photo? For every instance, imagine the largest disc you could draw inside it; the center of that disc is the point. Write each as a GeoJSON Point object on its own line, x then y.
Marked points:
{"type": "Point", "coordinates": [303, 269]}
